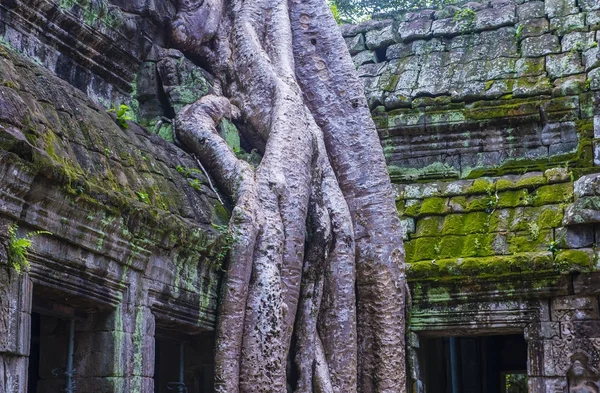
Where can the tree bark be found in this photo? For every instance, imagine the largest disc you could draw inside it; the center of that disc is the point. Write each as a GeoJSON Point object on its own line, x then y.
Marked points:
{"type": "Point", "coordinates": [316, 271]}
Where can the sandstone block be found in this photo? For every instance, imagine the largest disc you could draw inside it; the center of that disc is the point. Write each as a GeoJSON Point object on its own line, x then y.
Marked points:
{"type": "Point", "coordinates": [364, 57]}
{"type": "Point", "coordinates": [531, 10]}
{"type": "Point", "coordinates": [554, 8]}
{"type": "Point", "coordinates": [565, 24]}
{"type": "Point", "coordinates": [417, 29]}
{"type": "Point", "coordinates": [355, 44]}
{"type": "Point", "coordinates": [533, 27]}
{"type": "Point", "coordinates": [490, 18]}
{"type": "Point", "coordinates": [380, 38]}
{"type": "Point", "coordinates": [563, 64]}
{"type": "Point", "coordinates": [589, 5]}
{"type": "Point", "coordinates": [540, 46]}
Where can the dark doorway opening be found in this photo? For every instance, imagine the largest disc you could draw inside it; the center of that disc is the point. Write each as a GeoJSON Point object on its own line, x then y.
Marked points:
{"type": "Point", "coordinates": [183, 363]}
{"type": "Point", "coordinates": [49, 348]}
{"type": "Point", "coordinates": [486, 364]}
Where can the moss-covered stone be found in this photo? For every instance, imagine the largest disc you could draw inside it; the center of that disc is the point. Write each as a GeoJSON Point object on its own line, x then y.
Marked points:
{"type": "Point", "coordinates": [433, 205]}
{"type": "Point", "coordinates": [553, 193]}
{"type": "Point", "coordinates": [454, 224]}
{"type": "Point", "coordinates": [481, 186]}
{"type": "Point", "coordinates": [429, 226]}
{"type": "Point", "coordinates": [575, 260]}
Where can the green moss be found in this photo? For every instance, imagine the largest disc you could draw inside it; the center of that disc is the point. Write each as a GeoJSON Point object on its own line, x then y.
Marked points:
{"type": "Point", "coordinates": [550, 217]}
{"type": "Point", "coordinates": [481, 186]}
{"type": "Point", "coordinates": [476, 203]}
{"type": "Point", "coordinates": [434, 205]}
{"type": "Point", "coordinates": [478, 245]}
{"type": "Point", "coordinates": [451, 246]}
{"type": "Point", "coordinates": [459, 202]}
{"type": "Point", "coordinates": [412, 207]}
{"type": "Point", "coordinates": [553, 193]}
{"type": "Point", "coordinates": [493, 267]}
{"type": "Point", "coordinates": [524, 242]}
{"type": "Point", "coordinates": [426, 248]}
{"type": "Point", "coordinates": [510, 199]}
{"type": "Point", "coordinates": [575, 260]}
{"type": "Point", "coordinates": [585, 128]}
{"type": "Point", "coordinates": [476, 222]}
{"type": "Point", "coordinates": [454, 224]}
{"type": "Point", "coordinates": [429, 226]}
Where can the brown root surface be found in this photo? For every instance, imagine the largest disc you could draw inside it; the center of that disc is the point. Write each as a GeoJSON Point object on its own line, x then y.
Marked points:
{"type": "Point", "coordinates": [315, 279]}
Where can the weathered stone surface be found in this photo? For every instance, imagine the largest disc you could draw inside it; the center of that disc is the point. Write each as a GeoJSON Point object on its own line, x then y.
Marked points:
{"type": "Point", "coordinates": [575, 236]}
{"type": "Point", "coordinates": [566, 24]}
{"type": "Point", "coordinates": [530, 66]}
{"type": "Point", "coordinates": [589, 5]}
{"type": "Point", "coordinates": [398, 51]}
{"type": "Point", "coordinates": [591, 57]}
{"type": "Point", "coordinates": [540, 46]}
{"type": "Point", "coordinates": [555, 8]}
{"type": "Point", "coordinates": [365, 57]}
{"type": "Point", "coordinates": [593, 19]}
{"type": "Point", "coordinates": [492, 18]}
{"type": "Point", "coordinates": [379, 38]}
{"type": "Point", "coordinates": [564, 64]}
{"type": "Point", "coordinates": [578, 41]}
{"type": "Point", "coordinates": [416, 29]}
{"type": "Point", "coordinates": [531, 10]}
{"type": "Point", "coordinates": [356, 44]}
{"type": "Point", "coordinates": [570, 85]}
{"type": "Point", "coordinates": [533, 27]}
{"type": "Point", "coordinates": [368, 25]}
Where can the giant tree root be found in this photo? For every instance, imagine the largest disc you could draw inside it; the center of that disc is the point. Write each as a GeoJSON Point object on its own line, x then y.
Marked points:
{"type": "Point", "coordinates": [314, 221]}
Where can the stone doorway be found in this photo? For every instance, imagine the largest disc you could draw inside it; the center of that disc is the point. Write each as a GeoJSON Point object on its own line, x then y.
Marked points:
{"type": "Point", "coordinates": [476, 364]}
{"type": "Point", "coordinates": [183, 363]}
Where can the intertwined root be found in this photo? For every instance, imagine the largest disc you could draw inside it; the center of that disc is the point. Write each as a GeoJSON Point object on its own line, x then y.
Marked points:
{"type": "Point", "coordinates": [314, 221]}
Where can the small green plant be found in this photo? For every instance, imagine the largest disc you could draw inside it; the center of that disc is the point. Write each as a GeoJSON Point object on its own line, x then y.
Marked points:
{"type": "Point", "coordinates": [534, 230]}
{"type": "Point", "coordinates": [587, 85]}
{"type": "Point", "coordinates": [143, 197]}
{"type": "Point", "coordinates": [123, 114]}
{"type": "Point", "coordinates": [107, 152]}
{"type": "Point", "coordinates": [18, 247]}
{"type": "Point", "coordinates": [552, 247]}
{"type": "Point", "coordinates": [226, 241]}
{"type": "Point", "coordinates": [465, 18]}
{"type": "Point", "coordinates": [527, 197]}
{"type": "Point", "coordinates": [518, 32]}
{"type": "Point", "coordinates": [437, 248]}
{"type": "Point", "coordinates": [195, 183]}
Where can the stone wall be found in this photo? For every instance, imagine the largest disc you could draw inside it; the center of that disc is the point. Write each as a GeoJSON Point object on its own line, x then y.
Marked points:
{"type": "Point", "coordinates": [489, 114]}
{"type": "Point", "coordinates": [462, 92]}
{"type": "Point", "coordinates": [133, 244]}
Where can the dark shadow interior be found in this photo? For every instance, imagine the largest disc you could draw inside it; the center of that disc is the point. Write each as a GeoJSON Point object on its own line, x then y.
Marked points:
{"type": "Point", "coordinates": [486, 364]}
{"type": "Point", "coordinates": [180, 358]}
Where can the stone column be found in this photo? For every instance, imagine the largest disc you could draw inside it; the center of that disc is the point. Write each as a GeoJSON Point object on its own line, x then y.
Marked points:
{"type": "Point", "coordinates": [564, 353]}
{"type": "Point", "coordinates": [114, 349]}
{"type": "Point", "coordinates": [15, 320]}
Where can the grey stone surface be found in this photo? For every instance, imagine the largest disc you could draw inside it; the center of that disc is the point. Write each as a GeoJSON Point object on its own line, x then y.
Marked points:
{"type": "Point", "coordinates": [564, 64]}
{"type": "Point", "coordinates": [365, 57]}
{"type": "Point", "coordinates": [566, 24]}
{"type": "Point", "coordinates": [416, 29]}
{"type": "Point", "coordinates": [531, 10]}
{"type": "Point", "coordinates": [533, 27]}
{"type": "Point", "coordinates": [554, 8]}
{"type": "Point", "coordinates": [356, 44]}
{"type": "Point", "coordinates": [540, 46]}
{"type": "Point", "coordinates": [379, 38]}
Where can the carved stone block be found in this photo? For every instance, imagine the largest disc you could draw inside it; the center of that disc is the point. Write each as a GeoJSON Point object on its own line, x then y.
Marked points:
{"type": "Point", "coordinates": [568, 308]}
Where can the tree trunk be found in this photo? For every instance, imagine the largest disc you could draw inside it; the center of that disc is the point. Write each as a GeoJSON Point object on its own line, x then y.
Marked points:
{"type": "Point", "coordinates": [316, 274]}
